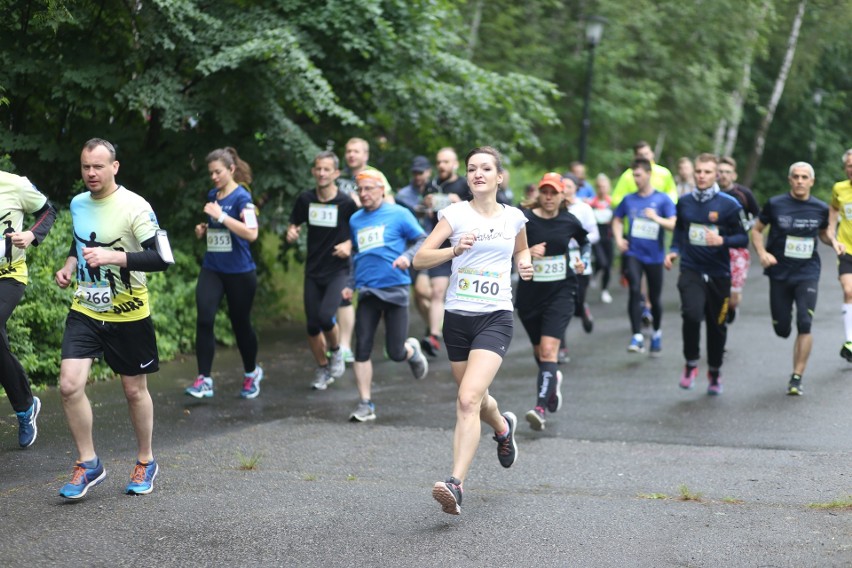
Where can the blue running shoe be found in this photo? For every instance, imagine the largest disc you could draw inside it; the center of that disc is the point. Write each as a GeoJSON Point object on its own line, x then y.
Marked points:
{"type": "Point", "coordinates": [201, 388]}
{"type": "Point", "coordinates": [656, 346]}
{"type": "Point", "coordinates": [142, 478]}
{"type": "Point", "coordinates": [85, 475]}
{"type": "Point", "coordinates": [636, 345]}
{"type": "Point", "coordinates": [27, 429]}
{"type": "Point", "coordinates": [251, 384]}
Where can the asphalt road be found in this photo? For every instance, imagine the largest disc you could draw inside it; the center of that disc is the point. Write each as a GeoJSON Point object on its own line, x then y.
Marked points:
{"type": "Point", "coordinates": [603, 485]}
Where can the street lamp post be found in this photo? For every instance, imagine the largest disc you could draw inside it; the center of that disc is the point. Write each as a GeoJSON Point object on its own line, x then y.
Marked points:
{"type": "Point", "coordinates": [594, 31]}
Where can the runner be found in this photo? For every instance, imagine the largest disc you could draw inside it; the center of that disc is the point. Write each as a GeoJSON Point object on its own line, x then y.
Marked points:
{"type": "Point", "coordinates": [110, 319]}
{"type": "Point", "coordinates": [603, 252]}
{"type": "Point", "coordinates": [484, 237]}
{"type": "Point", "coordinates": [791, 261]}
{"type": "Point", "coordinates": [228, 270]}
{"type": "Point", "coordinates": [382, 257]}
{"type": "Point", "coordinates": [708, 222]}
{"type": "Point", "coordinates": [582, 211]}
{"type": "Point", "coordinates": [545, 304]}
{"type": "Point", "coordinates": [643, 252]}
{"type": "Point", "coordinates": [327, 211]}
{"type": "Point", "coordinates": [18, 197]}
{"type": "Point", "coordinates": [841, 209]}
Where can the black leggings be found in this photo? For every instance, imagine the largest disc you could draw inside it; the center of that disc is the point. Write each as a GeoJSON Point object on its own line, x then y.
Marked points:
{"type": "Point", "coordinates": [370, 310]}
{"type": "Point", "coordinates": [239, 289]}
{"type": "Point", "coordinates": [604, 254]}
{"type": "Point", "coordinates": [582, 286]}
{"type": "Point", "coordinates": [633, 269]}
{"type": "Point", "coordinates": [782, 296]}
{"type": "Point", "coordinates": [706, 298]}
{"type": "Point", "coordinates": [12, 375]}
{"type": "Point", "coordinates": [321, 302]}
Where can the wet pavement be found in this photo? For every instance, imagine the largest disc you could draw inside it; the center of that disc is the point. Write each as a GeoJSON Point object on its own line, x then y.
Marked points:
{"type": "Point", "coordinates": [603, 485]}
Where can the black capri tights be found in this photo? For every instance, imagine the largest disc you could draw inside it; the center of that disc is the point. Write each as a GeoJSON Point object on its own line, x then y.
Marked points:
{"type": "Point", "coordinates": [370, 310]}
{"type": "Point", "coordinates": [782, 296]}
{"type": "Point", "coordinates": [322, 301]}
{"type": "Point", "coordinates": [239, 289]}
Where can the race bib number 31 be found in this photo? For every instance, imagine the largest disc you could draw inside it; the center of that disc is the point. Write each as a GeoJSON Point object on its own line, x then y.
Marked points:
{"type": "Point", "coordinates": [322, 215]}
{"type": "Point", "coordinates": [219, 240]}
{"type": "Point", "coordinates": [96, 297]}
{"type": "Point", "coordinates": [370, 238]}
{"type": "Point", "coordinates": [478, 286]}
{"type": "Point", "coordinates": [549, 268]}
{"type": "Point", "coordinates": [799, 247]}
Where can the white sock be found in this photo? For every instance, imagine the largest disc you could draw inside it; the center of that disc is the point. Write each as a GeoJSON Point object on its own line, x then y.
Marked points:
{"type": "Point", "coordinates": [638, 337]}
{"type": "Point", "coordinates": [658, 334]}
{"type": "Point", "coordinates": [847, 320]}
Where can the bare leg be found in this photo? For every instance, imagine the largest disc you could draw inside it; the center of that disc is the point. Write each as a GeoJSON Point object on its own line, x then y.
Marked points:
{"type": "Point", "coordinates": [141, 414]}
{"type": "Point", "coordinates": [317, 344]}
{"type": "Point", "coordinates": [364, 378]}
{"type": "Point", "coordinates": [346, 323]}
{"type": "Point", "coordinates": [474, 376]}
{"type": "Point", "coordinates": [422, 295]}
{"type": "Point", "coordinates": [436, 306]}
{"type": "Point", "coordinates": [73, 374]}
{"type": "Point", "coordinates": [801, 352]}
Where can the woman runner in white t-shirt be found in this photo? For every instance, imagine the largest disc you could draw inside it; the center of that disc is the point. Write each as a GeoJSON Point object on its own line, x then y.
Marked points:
{"type": "Point", "coordinates": [478, 319]}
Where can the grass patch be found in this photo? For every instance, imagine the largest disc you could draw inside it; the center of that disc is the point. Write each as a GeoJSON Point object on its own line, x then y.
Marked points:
{"type": "Point", "coordinates": [653, 496]}
{"type": "Point", "coordinates": [844, 504]}
{"type": "Point", "coordinates": [687, 495]}
{"type": "Point", "coordinates": [249, 463]}
{"type": "Point", "coordinates": [732, 500]}
{"type": "Point", "coordinates": [351, 477]}
{"type": "Point", "coordinates": [310, 477]}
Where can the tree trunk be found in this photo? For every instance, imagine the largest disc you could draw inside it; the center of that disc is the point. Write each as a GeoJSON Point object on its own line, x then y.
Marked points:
{"type": "Point", "coordinates": [474, 29]}
{"type": "Point", "coordinates": [780, 81]}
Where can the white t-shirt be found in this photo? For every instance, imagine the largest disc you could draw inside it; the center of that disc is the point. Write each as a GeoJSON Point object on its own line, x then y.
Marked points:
{"type": "Point", "coordinates": [480, 281]}
{"type": "Point", "coordinates": [586, 215]}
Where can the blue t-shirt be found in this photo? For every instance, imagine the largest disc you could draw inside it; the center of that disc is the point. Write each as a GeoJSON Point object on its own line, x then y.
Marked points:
{"type": "Point", "coordinates": [226, 252]}
{"type": "Point", "coordinates": [378, 238]}
{"type": "Point", "coordinates": [794, 228]}
{"type": "Point", "coordinates": [586, 191]}
{"type": "Point", "coordinates": [646, 237]}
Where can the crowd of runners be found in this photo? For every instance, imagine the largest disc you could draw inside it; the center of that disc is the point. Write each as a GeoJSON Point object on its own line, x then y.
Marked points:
{"type": "Point", "coordinates": [454, 245]}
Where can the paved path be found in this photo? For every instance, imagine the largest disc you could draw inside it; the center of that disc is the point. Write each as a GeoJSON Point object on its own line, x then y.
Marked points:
{"type": "Point", "coordinates": [599, 487]}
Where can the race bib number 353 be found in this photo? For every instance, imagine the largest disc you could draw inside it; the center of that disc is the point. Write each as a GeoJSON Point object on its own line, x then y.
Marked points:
{"type": "Point", "coordinates": [219, 240]}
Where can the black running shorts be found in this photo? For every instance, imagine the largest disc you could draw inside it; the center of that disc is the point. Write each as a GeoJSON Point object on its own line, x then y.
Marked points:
{"type": "Point", "coordinates": [129, 348]}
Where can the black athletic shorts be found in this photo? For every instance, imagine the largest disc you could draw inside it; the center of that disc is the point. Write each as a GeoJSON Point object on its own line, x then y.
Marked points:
{"type": "Point", "coordinates": [844, 264]}
{"type": "Point", "coordinates": [444, 269]}
{"type": "Point", "coordinates": [129, 348]}
{"type": "Point", "coordinates": [463, 333]}
{"type": "Point", "coordinates": [552, 319]}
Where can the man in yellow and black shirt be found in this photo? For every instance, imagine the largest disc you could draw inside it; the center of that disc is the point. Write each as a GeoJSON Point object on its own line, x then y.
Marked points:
{"type": "Point", "coordinates": [841, 209]}
{"type": "Point", "coordinates": [116, 239]}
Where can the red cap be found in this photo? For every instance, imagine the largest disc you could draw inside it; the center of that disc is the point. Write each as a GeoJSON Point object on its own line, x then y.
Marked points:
{"type": "Point", "coordinates": [552, 179]}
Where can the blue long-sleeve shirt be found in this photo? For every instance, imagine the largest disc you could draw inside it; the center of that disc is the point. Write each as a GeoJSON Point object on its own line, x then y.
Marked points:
{"type": "Point", "coordinates": [721, 214]}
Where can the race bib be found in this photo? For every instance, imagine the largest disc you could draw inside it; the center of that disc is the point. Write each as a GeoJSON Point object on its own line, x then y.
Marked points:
{"type": "Point", "coordinates": [371, 237]}
{"type": "Point", "coordinates": [799, 247]}
{"type": "Point", "coordinates": [574, 257]}
{"type": "Point", "coordinates": [322, 215]}
{"type": "Point", "coordinates": [603, 216]}
{"type": "Point", "coordinates": [219, 240]}
{"type": "Point", "coordinates": [479, 286]}
{"type": "Point", "coordinates": [549, 268]}
{"type": "Point", "coordinates": [440, 201]}
{"type": "Point", "coordinates": [94, 296]}
{"type": "Point", "coordinates": [847, 211]}
{"type": "Point", "coordinates": [698, 234]}
{"type": "Point", "coordinates": [644, 229]}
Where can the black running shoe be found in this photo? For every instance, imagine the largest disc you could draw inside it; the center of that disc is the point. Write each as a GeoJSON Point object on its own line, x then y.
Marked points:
{"type": "Point", "coordinates": [431, 345]}
{"type": "Point", "coordinates": [588, 320]}
{"type": "Point", "coordinates": [449, 494]}
{"type": "Point", "coordinates": [846, 351]}
{"type": "Point", "coordinates": [794, 387]}
{"type": "Point", "coordinates": [507, 450]}
{"type": "Point", "coordinates": [732, 315]}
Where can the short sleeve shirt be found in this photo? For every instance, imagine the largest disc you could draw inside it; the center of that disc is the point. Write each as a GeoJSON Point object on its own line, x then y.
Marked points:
{"type": "Point", "coordinates": [121, 221]}
{"type": "Point", "coordinates": [646, 237]}
{"type": "Point", "coordinates": [18, 196]}
{"type": "Point", "coordinates": [226, 252]}
{"type": "Point", "coordinates": [794, 228]}
{"type": "Point", "coordinates": [328, 226]}
{"type": "Point", "coordinates": [480, 280]}
{"type": "Point", "coordinates": [379, 237]}
{"type": "Point", "coordinates": [841, 200]}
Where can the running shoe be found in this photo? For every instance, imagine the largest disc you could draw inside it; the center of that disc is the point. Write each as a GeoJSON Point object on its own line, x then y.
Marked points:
{"type": "Point", "coordinates": [322, 378]}
{"type": "Point", "coordinates": [431, 345]}
{"type": "Point", "coordinates": [656, 346]}
{"type": "Point", "coordinates": [348, 356]}
{"type": "Point", "coordinates": [251, 383]}
{"type": "Point", "coordinates": [201, 388]}
{"type": "Point", "coordinates": [588, 320]}
{"type": "Point", "coordinates": [846, 351]}
{"type": "Point", "coordinates": [449, 494]}
{"type": "Point", "coordinates": [27, 429]}
{"type": "Point", "coordinates": [606, 297]}
{"type": "Point", "coordinates": [647, 318]}
{"type": "Point", "coordinates": [142, 478]}
{"type": "Point", "coordinates": [687, 379]}
{"type": "Point", "coordinates": [636, 345]}
{"type": "Point", "coordinates": [84, 476]}
{"type": "Point", "coordinates": [536, 418]}
{"type": "Point", "coordinates": [418, 363]}
{"type": "Point", "coordinates": [794, 387]}
{"type": "Point", "coordinates": [507, 450]}
{"type": "Point", "coordinates": [562, 357]}
{"type": "Point", "coordinates": [336, 364]}
{"type": "Point", "coordinates": [714, 387]}
{"type": "Point", "coordinates": [555, 401]}
{"type": "Point", "coordinates": [366, 410]}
